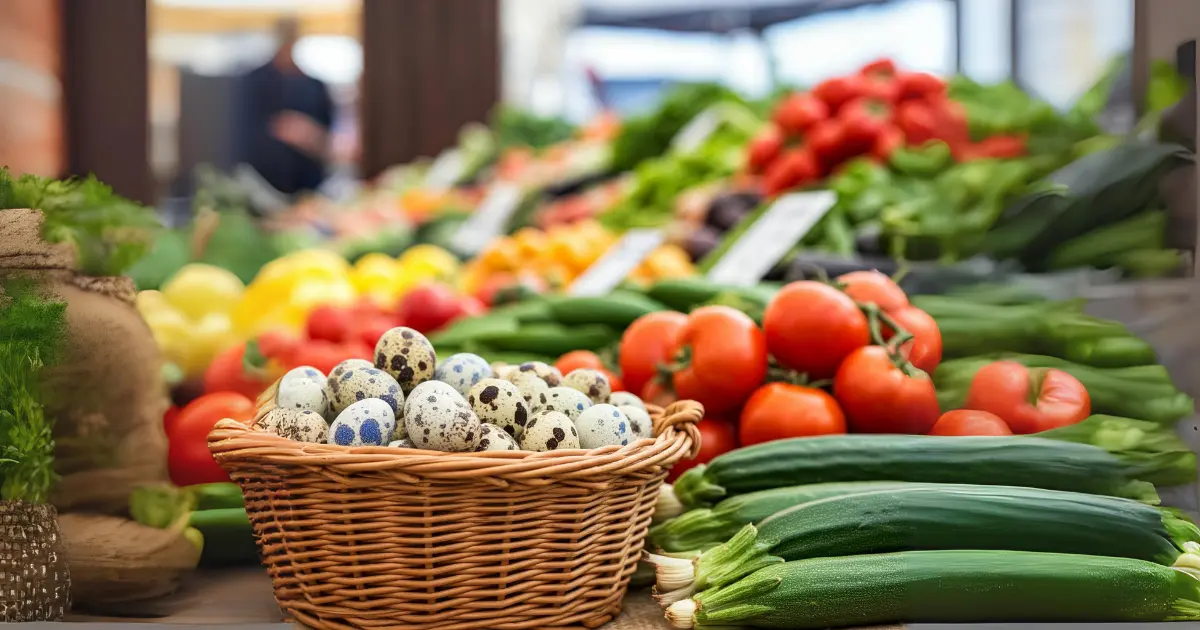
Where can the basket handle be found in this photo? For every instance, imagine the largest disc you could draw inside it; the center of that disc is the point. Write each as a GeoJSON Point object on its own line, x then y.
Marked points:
{"type": "Point", "coordinates": [682, 415]}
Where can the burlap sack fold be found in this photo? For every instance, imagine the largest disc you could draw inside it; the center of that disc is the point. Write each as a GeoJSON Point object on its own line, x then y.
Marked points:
{"type": "Point", "coordinates": [34, 583]}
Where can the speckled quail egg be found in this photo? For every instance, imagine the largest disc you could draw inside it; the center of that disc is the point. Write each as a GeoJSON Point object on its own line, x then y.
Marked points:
{"type": "Point", "coordinates": [403, 443]}
{"type": "Point", "coordinates": [462, 371]}
{"type": "Point", "coordinates": [571, 402]}
{"type": "Point", "coordinates": [603, 425]}
{"type": "Point", "coordinates": [544, 371]}
{"type": "Point", "coordinates": [549, 431]}
{"type": "Point", "coordinates": [500, 403]}
{"type": "Point", "coordinates": [625, 399]}
{"type": "Point", "coordinates": [361, 383]}
{"type": "Point", "coordinates": [367, 422]}
{"type": "Point", "coordinates": [303, 388]}
{"type": "Point", "coordinates": [640, 423]}
{"type": "Point", "coordinates": [438, 418]}
{"type": "Point", "coordinates": [348, 364]}
{"type": "Point", "coordinates": [299, 425]}
{"type": "Point", "coordinates": [591, 382]}
{"type": "Point", "coordinates": [503, 370]}
{"type": "Point", "coordinates": [495, 439]}
{"type": "Point", "coordinates": [531, 387]}
{"type": "Point", "coordinates": [407, 355]}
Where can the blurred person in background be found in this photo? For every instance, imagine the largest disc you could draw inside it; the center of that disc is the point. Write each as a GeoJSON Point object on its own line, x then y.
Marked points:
{"type": "Point", "coordinates": [288, 116]}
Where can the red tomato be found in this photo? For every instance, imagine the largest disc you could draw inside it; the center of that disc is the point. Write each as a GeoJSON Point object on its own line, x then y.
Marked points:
{"type": "Point", "coordinates": [828, 143]}
{"type": "Point", "coordinates": [228, 373]}
{"type": "Point", "coordinates": [169, 418]}
{"type": "Point", "coordinates": [873, 287]}
{"type": "Point", "coordinates": [969, 422]}
{"type": "Point", "coordinates": [879, 396]}
{"type": "Point", "coordinates": [810, 327]}
{"type": "Point", "coordinates": [723, 356]}
{"type": "Point", "coordinates": [781, 410]}
{"type": "Point", "coordinates": [370, 330]}
{"type": "Point", "coordinates": [657, 393]}
{"type": "Point", "coordinates": [614, 382]}
{"type": "Point", "coordinates": [278, 345]}
{"type": "Point", "coordinates": [1029, 400]}
{"type": "Point", "coordinates": [764, 149]}
{"type": "Point", "coordinates": [890, 139]}
{"type": "Point", "coordinates": [646, 346]}
{"type": "Point", "coordinates": [952, 123]}
{"type": "Point", "coordinates": [865, 119]}
{"type": "Point", "coordinates": [188, 458]}
{"type": "Point", "coordinates": [329, 323]}
{"type": "Point", "coordinates": [838, 91]}
{"type": "Point", "coordinates": [579, 359]}
{"type": "Point", "coordinates": [918, 122]}
{"type": "Point", "coordinates": [919, 85]}
{"type": "Point", "coordinates": [429, 307]}
{"type": "Point", "coordinates": [795, 168]}
{"type": "Point", "coordinates": [322, 355]}
{"type": "Point", "coordinates": [797, 113]}
{"type": "Point", "coordinates": [882, 88]}
{"type": "Point", "coordinates": [716, 438]}
{"type": "Point", "coordinates": [879, 68]}
{"type": "Point", "coordinates": [925, 350]}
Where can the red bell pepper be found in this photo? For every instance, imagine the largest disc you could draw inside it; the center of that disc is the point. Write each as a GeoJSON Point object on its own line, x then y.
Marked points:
{"type": "Point", "coordinates": [189, 461]}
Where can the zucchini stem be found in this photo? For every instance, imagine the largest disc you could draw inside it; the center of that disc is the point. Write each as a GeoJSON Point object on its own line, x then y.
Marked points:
{"type": "Point", "coordinates": [682, 614]}
{"type": "Point", "coordinates": [672, 573]}
{"type": "Point", "coordinates": [668, 505]}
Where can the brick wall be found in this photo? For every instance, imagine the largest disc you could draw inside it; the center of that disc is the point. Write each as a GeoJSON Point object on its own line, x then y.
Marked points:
{"type": "Point", "coordinates": [31, 123]}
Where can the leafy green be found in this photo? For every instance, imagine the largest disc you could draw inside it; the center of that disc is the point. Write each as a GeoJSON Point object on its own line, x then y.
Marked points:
{"type": "Point", "coordinates": [516, 127]}
{"type": "Point", "coordinates": [31, 326]}
{"type": "Point", "coordinates": [650, 135]}
{"type": "Point", "coordinates": [109, 233]}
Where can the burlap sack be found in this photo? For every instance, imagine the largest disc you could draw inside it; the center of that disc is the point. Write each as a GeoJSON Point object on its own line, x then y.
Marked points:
{"type": "Point", "coordinates": [34, 584]}
{"type": "Point", "coordinates": [105, 393]}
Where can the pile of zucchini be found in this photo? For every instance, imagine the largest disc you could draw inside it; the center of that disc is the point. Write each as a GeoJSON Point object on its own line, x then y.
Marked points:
{"type": "Point", "coordinates": [852, 530]}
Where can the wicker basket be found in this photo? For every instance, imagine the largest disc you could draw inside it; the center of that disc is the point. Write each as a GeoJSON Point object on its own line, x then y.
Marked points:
{"type": "Point", "coordinates": [375, 537]}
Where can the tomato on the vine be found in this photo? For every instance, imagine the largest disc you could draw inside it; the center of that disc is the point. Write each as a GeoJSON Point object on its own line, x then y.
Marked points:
{"type": "Point", "coordinates": [764, 149]}
{"type": "Point", "coordinates": [873, 287]}
{"type": "Point", "coordinates": [646, 346]}
{"type": "Point", "coordinates": [798, 112]}
{"type": "Point", "coordinates": [716, 438]}
{"type": "Point", "coordinates": [880, 393]}
{"type": "Point", "coordinates": [721, 356]}
{"type": "Point", "coordinates": [970, 422]}
{"type": "Point", "coordinates": [188, 458]}
{"type": "Point", "coordinates": [925, 349]}
{"type": "Point", "coordinates": [811, 327]}
{"type": "Point", "coordinates": [782, 410]}
{"type": "Point", "coordinates": [579, 360]}
{"type": "Point", "coordinates": [656, 392]}
{"type": "Point", "coordinates": [1029, 400]}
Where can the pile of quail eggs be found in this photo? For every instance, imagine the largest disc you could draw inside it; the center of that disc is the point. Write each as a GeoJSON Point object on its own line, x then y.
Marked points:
{"type": "Point", "coordinates": [407, 399]}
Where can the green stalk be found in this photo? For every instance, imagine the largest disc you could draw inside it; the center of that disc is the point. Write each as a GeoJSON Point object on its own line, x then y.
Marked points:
{"type": "Point", "coordinates": [1103, 247]}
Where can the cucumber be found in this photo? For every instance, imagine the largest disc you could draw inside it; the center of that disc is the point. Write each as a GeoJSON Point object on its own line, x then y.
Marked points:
{"type": "Point", "coordinates": [619, 309]}
{"type": "Point", "coordinates": [215, 496]}
{"type": "Point", "coordinates": [946, 516]}
{"type": "Point", "coordinates": [685, 294]}
{"type": "Point", "coordinates": [1010, 461]}
{"type": "Point", "coordinates": [467, 330]}
{"type": "Point", "coordinates": [552, 339]}
{"type": "Point", "coordinates": [228, 537]}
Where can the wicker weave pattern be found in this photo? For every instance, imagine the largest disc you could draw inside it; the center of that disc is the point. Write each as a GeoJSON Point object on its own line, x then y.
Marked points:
{"type": "Point", "coordinates": [373, 537]}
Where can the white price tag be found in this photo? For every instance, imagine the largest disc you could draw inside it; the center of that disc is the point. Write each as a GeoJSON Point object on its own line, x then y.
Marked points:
{"type": "Point", "coordinates": [771, 237]}
{"type": "Point", "coordinates": [606, 273]}
{"type": "Point", "coordinates": [445, 171]}
{"type": "Point", "coordinates": [693, 134]}
{"type": "Point", "coordinates": [489, 219]}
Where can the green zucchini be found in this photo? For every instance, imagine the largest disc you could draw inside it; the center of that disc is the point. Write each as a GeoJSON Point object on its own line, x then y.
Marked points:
{"type": "Point", "coordinates": [552, 339]}
{"type": "Point", "coordinates": [619, 308]}
{"type": "Point", "coordinates": [1011, 461]}
{"type": "Point", "coordinates": [228, 537]}
{"type": "Point", "coordinates": [958, 586]}
{"type": "Point", "coordinates": [703, 527]}
{"type": "Point", "coordinates": [947, 516]}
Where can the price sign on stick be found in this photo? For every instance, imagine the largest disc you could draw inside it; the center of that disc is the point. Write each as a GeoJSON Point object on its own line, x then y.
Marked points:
{"type": "Point", "coordinates": [771, 237]}
{"type": "Point", "coordinates": [616, 263]}
{"type": "Point", "coordinates": [693, 134]}
{"type": "Point", "coordinates": [489, 218]}
{"type": "Point", "coordinates": [445, 171]}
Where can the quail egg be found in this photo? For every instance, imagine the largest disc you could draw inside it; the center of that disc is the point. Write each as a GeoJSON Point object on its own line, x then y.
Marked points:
{"type": "Point", "coordinates": [500, 403]}
{"type": "Point", "coordinates": [407, 355]}
{"type": "Point", "coordinates": [565, 400]}
{"type": "Point", "coordinates": [503, 370]}
{"type": "Point", "coordinates": [303, 388]}
{"type": "Point", "coordinates": [367, 422]}
{"type": "Point", "coordinates": [603, 425]}
{"type": "Point", "coordinates": [299, 425]}
{"type": "Point", "coordinates": [402, 443]}
{"type": "Point", "coordinates": [495, 439]}
{"type": "Point", "coordinates": [439, 419]}
{"type": "Point", "coordinates": [462, 371]}
{"type": "Point", "coordinates": [549, 431]}
{"type": "Point", "coordinates": [361, 383]}
{"type": "Point", "coordinates": [530, 386]}
{"type": "Point", "coordinates": [544, 371]}
{"type": "Point", "coordinates": [640, 423]}
{"type": "Point", "coordinates": [591, 382]}
{"type": "Point", "coordinates": [348, 364]}
{"type": "Point", "coordinates": [625, 399]}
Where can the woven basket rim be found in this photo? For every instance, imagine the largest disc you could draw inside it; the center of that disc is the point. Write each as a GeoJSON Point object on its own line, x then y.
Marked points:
{"type": "Point", "coordinates": [677, 436]}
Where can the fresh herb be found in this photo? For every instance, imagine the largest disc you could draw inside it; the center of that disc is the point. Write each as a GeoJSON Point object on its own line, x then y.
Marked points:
{"type": "Point", "coordinates": [31, 326]}
{"type": "Point", "coordinates": [109, 233]}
